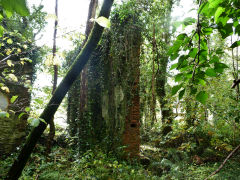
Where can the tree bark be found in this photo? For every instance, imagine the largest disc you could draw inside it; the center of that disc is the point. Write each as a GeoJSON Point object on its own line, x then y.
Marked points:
{"type": "Point", "coordinates": [161, 76]}
{"type": "Point", "coordinates": [153, 103]}
{"type": "Point", "coordinates": [83, 99]}
{"type": "Point", "coordinates": [55, 78]}
{"type": "Point", "coordinates": [79, 63]}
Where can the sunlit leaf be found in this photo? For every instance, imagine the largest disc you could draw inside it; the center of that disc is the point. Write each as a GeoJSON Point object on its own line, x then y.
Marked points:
{"type": "Point", "coordinates": [218, 13]}
{"type": "Point", "coordinates": [5, 88]}
{"type": "Point", "coordinates": [27, 109]}
{"type": "Point", "coordinates": [13, 77]}
{"type": "Point", "coordinates": [214, 3]}
{"type": "Point", "coordinates": [174, 66]}
{"type": "Point", "coordinates": [18, 6]}
{"type": "Point", "coordinates": [20, 115]}
{"type": "Point", "coordinates": [102, 21]}
{"type": "Point", "coordinates": [8, 51]}
{"type": "Point", "coordinates": [25, 46]}
{"type": "Point", "coordinates": [9, 41]}
{"type": "Point", "coordinates": [13, 99]}
{"type": "Point", "coordinates": [9, 63]}
{"type": "Point", "coordinates": [43, 120]}
{"type": "Point", "coordinates": [19, 50]}
{"type": "Point", "coordinates": [202, 82]}
{"type": "Point", "coordinates": [39, 101]}
{"type": "Point", "coordinates": [1, 30]}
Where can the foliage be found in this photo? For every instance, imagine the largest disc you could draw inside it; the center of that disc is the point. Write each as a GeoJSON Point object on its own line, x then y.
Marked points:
{"type": "Point", "coordinates": [197, 60]}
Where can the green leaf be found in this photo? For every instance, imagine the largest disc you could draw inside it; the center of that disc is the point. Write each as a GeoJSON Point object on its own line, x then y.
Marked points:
{"type": "Point", "coordinates": [1, 31]}
{"type": "Point", "coordinates": [218, 13]}
{"type": "Point", "coordinates": [174, 66]}
{"type": "Point", "coordinates": [202, 97]}
{"type": "Point", "coordinates": [175, 89]}
{"type": "Point", "coordinates": [43, 120]}
{"type": "Point", "coordinates": [207, 31]}
{"type": "Point", "coordinates": [9, 13]}
{"type": "Point", "coordinates": [175, 47]}
{"type": "Point", "coordinates": [13, 77]}
{"type": "Point", "coordinates": [214, 3]}
{"type": "Point", "coordinates": [181, 93]}
{"type": "Point", "coordinates": [20, 115]}
{"type": "Point", "coordinates": [178, 77]}
{"type": "Point", "coordinates": [202, 82]}
{"type": "Point", "coordinates": [33, 121]}
{"type": "Point", "coordinates": [214, 59]}
{"type": "Point", "coordinates": [27, 109]}
{"type": "Point", "coordinates": [189, 21]}
{"type": "Point", "coordinates": [211, 72]}
{"type": "Point", "coordinates": [235, 44]}
{"type": "Point", "coordinates": [39, 101]}
{"type": "Point", "coordinates": [174, 56]}
{"type": "Point", "coordinates": [10, 63]}
{"type": "Point", "coordinates": [226, 30]}
{"type": "Point", "coordinates": [9, 41]}
{"type": "Point", "coordinates": [4, 114]}
{"type": "Point", "coordinates": [181, 36]}
{"type": "Point", "coordinates": [203, 7]}
{"type": "Point", "coordinates": [104, 22]}
{"type": "Point", "coordinates": [13, 99]}
{"type": "Point", "coordinates": [18, 6]}
{"type": "Point", "coordinates": [193, 52]}
{"type": "Point", "coordinates": [219, 67]}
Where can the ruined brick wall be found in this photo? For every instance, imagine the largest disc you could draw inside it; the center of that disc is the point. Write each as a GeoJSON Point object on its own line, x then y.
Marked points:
{"type": "Point", "coordinates": [13, 129]}
{"type": "Point", "coordinates": [120, 98]}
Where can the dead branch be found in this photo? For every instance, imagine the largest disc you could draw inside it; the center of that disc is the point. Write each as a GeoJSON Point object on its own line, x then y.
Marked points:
{"type": "Point", "coordinates": [224, 162]}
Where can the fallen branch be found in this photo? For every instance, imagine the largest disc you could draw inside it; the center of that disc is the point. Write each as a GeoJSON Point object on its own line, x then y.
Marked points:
{"type": "Point", "coordinates": [224, 162]}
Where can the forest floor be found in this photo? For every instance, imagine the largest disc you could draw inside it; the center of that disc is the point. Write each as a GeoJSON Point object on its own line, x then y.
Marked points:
{"type": "Point", "coordinates": [64, 164]}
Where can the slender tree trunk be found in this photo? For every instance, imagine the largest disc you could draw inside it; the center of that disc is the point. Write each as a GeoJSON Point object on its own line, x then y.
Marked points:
{"type": "Point", "coordinates": [162, 72]}
{"type": "Point", "coordinates": [55, 77]}
{"type": "Point", "coordinates": [18, 165]}
{"type": "Point", "coordinates": [161, 76]}
{"type": "Point", "coordinates": [153, 102]}
{"type": "Point", "coordinates": [83, 126]}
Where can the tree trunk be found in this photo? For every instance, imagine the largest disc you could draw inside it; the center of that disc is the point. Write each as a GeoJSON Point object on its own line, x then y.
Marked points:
{"type": "Point", "coordinates": [162, 73]}
{"type": "Point", "coordinates": [84, 126]}
{"type": "Point", "coordinates": [153, 102]}
{"type": "Point", "coordinates": [17, 167]}
{"type": "Point", "coordinates": [55, 77]}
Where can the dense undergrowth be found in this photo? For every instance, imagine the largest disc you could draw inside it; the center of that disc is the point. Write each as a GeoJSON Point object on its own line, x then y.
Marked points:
{"type": "Point", "coordinates": [164, 163]}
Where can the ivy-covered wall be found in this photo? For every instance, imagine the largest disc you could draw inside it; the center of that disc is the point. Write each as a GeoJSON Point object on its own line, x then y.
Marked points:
{"type": "Point", "coordinates": [112, 112]}
{"type": "Point", "coordinates": [13, 129]}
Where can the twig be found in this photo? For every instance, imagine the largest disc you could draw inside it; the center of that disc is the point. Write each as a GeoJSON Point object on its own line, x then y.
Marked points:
{"type": "Point", "coordinates": [235, 83]}
{"type": "Point", "coordinates": [224, 162]}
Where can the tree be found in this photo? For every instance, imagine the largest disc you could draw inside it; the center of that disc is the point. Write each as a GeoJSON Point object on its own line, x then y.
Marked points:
{"type": "Point", "coordinates": [55, 77]}
{"type": "Point", "coordinates": [51, 108]}
{"type": "Point", "coordinates": [77, 96]}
